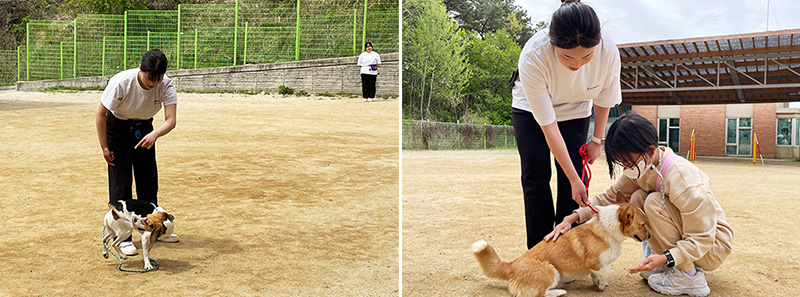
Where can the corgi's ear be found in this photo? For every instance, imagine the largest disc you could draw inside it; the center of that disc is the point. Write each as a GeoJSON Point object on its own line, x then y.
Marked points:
{"type": "Point", "coordinates": [626, 213]}
{"type": "Point", "coordinates": [622, 198]}
{"type": "Point", "coordinates": [147, 226]}
{"type": "Point", "coordinates": [170, 217]}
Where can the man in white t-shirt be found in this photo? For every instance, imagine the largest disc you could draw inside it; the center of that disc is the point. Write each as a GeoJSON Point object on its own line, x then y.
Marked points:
{"type": "Point", "coordinates": [369, 62]}
{"type": "Point", "coordinates": [124, 121]}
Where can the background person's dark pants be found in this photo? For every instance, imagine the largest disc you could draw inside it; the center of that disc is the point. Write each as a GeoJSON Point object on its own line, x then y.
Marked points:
{"type": "Point", "coordinates": [121, 137]}
{"type": "Point", "coordinates": [540, 219]}
{"type": "Point", "coordinates": [368, 85]}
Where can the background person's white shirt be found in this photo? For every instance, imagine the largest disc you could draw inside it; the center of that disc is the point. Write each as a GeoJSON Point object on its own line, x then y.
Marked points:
{"type": "Point", "coordinates": [365, 59]}
{"type": "Point", "coordinates": [126, 98]}
{"type": "Point", "coordinates": [553, 92]}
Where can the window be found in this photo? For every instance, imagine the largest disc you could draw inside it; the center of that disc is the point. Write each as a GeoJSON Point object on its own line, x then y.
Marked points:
{"type": "Point", "coordinates": [786, 133]}
{"type": "Point", "coordinates": [669, 134]}
{"type": "Point", "coordinates": [737, 137]}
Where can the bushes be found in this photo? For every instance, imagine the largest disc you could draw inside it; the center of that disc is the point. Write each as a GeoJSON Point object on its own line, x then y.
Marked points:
{"type": "Point", "coordinates": [284, 90]}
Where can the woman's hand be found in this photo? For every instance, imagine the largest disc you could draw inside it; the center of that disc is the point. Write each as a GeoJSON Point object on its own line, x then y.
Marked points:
{"type": "Point", "coordinates": [651, 262]}
{"type": "Point", "coordinates": [563, 227]}
{"type": "Point", "coordinates": [108, 155]}
{"type": "Point", "coordinates": [593, 151]}
{"type": "Point", "coordinates": [148, 141]}
{"type": "Point", "coordinates": [579, 192]}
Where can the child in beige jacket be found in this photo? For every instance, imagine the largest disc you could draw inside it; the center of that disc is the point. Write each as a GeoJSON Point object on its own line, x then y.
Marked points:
{"type": "Point", "coordinates": [686, 223]}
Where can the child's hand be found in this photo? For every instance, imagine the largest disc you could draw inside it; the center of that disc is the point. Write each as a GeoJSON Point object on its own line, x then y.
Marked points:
{"type": "Point", "coordinates": [108, 155]}
{"type": "Point", "coordinates": [651, 262]}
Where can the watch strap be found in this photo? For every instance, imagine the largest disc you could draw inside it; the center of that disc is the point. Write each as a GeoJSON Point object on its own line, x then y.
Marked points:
{"type": "Point", "coordinates": [670, 259]}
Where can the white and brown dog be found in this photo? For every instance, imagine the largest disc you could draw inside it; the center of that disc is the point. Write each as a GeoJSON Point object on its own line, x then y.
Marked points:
{"type": "Point", "coordinates": [125, 215]}
{"type": "Point", "coordinates": [587, 249]}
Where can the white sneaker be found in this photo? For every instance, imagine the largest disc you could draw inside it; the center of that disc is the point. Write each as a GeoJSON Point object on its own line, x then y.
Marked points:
{"type": "Point", "coordinates": [170, 239]}
{"type": "Point", "coordinates": [676, 282]}
{"type": "Point", "coordinates": [128, 248]}
{"type": "Point", "coordinates": [647, 274]}
{"type": "Point", "coordinates": [369, 99]}
{"type": "Point", "coordinates": [365, 99]}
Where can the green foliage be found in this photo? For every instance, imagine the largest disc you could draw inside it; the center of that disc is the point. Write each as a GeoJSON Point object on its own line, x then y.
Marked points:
{"type": "Point", "coordinates": [487, 16]}
{"type": "Point", "coordinates": [110, 6]}
{"type": "Point", "coordinates": [284, 90]}
{"type": "Point", "coordinates": [435, 69]}
{"type": "Point", "coordinates": [492, 61]}
{"type": "Point", "coordinates": [302, 93]}
{"type": "Point", "coordinates": [326, 94]}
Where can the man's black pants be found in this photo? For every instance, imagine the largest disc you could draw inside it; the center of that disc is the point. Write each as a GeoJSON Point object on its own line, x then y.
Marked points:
{"type": "Point", "coordinates": [540, 217]}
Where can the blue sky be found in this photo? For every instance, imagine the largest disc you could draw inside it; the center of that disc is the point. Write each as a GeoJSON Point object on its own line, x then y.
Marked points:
{"type": "Point", "coordinates": [627, 21]}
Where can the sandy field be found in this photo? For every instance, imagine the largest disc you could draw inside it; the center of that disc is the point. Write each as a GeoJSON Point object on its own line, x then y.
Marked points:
{"type": "Point", "coordinates": [272, 196]}
{"type": "Point", "coordinates": [454, 198]}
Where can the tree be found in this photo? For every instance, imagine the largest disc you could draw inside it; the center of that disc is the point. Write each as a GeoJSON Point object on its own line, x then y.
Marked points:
{"type": "Point", "coordinates": [435, 69]}
{"type": "Point", "coordinates": [487, 16]}
{"type": "Point", "coordinates": [492, 61]}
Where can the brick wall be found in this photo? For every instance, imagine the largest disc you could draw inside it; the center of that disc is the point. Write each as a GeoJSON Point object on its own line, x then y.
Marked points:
{"type": "Point", "coordinates": [708, 121]}
{"type": "Point", "coordinates": [335, 75]}
{"type": "Point", "coordinates": [764, 125]}
{"type": "Point", "coordinates": [649, 112]}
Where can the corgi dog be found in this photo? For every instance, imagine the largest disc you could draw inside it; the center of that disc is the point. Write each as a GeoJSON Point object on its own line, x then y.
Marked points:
{"type": "Point", "coordinates": [587, 249]}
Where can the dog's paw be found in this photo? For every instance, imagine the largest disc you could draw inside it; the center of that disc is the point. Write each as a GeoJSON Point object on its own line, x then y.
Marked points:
{"type": "Point", "coordinates": [147, 265]}
{"type": "Point", "coordinates": [555, 293]}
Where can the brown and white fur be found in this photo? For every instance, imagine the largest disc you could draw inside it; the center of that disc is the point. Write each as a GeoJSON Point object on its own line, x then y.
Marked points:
{"type": "Point", "coordinates": [125, 215]}
{"type": "Point", "coordinates": [587, 249]}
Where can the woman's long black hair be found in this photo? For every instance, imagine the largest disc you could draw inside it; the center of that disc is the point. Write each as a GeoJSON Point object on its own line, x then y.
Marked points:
{"type": "Point", "coordinates": [630, 135]}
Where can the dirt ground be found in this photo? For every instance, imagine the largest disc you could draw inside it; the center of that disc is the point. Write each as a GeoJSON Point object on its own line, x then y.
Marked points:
{"type": "Point", "coordinates": [272, 196]}
{"type": "Point", "coordinates": [454, 198]}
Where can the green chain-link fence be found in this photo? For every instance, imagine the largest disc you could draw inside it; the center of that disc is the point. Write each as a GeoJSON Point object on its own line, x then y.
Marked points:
{"type": "Point", "coordinates": [452, 136]}
{"type": "Point", "coordinates": [202, 35]}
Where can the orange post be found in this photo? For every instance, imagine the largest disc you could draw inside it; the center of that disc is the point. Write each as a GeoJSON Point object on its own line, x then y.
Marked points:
{"type": "Point", "coordinates": [756, 149]}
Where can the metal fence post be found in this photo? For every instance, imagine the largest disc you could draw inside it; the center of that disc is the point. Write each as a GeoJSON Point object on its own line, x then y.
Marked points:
{"type": "Point", "coordinates": [235, 31]}
{"type": "Point", "coordinates": [355, 22]}
{"type": "Point", "coordinates": [61, 61]}
{"type": "Point", "coordinates": [458, 133]}
{"type": "Point", "coordinates": [244, 57]}
{"type": "Point", "coordinates": [364, 27]}
{"type": "Point", "coordinates": [297, 34]}
{"type": "Point", "coordinates": [125, 42]}
{"type": "Point", "coordinates": [178, 66]}
{"type": "Point", "coordinates": [75, 48]}
{"type": "Point", "coordinates": [19, 65]}
{"type": "Point", "coordinates": [195, 48]}
{"type": "Point", "coordinates": [28, 51]}
{"type": "Point", "coordinates": [103, 63]}
{"type": "Point", "coordinates": [148, 41]}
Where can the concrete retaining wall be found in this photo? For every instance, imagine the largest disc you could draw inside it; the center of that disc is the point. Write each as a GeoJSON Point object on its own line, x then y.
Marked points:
{"type": "Point", "coordinates": [334, 75]}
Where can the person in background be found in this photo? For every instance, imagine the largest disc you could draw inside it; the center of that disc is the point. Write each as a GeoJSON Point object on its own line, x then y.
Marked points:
{"type": "Point", "coordinates": [369, 61]}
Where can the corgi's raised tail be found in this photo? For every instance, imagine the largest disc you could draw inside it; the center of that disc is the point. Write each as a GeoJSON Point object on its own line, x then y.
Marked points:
{"type": "Point", "coordinates": [491, 264]}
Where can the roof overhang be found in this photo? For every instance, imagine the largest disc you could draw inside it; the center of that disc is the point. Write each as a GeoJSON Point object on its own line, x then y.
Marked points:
{"type": "Point", "coordinates": [746, 68]}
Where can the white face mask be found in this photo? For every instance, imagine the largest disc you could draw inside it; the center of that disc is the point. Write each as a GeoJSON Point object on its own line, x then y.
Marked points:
{"type": "Point", "coordinates": [637, 171]}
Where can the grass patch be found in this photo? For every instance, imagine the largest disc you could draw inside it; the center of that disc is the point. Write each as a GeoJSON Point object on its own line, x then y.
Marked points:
{"type": "Point", "coordinates": [64, 89]}
{"type": "Point", "coordinates": [301, 93]}
{"type": "Point", "coordinates": [238, 92]}
{"type": "Point", "coordinates": [326, 94]}
{"type": "Point", "coordinates": [284, 90]}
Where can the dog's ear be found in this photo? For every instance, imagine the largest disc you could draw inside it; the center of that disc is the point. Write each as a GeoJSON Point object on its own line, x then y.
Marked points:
{"type": "Point", "coordinates": [626, 213]}
{"type": "Point", "coordinates": [146, 224]}
{"type": "Point", "coordinates": [170, 217]}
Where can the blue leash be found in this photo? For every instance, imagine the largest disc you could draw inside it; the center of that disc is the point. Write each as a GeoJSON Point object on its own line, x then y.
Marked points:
{"type": "Point", "coordinates": [155, 263]}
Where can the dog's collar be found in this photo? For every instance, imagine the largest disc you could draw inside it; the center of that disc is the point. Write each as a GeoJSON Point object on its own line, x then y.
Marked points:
{"type": "Point", "coordinates": [154, 206]}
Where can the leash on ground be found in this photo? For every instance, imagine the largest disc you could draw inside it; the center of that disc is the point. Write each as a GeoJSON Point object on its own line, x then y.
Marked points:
{"type": "Point", "coordinates": [155, 263]}
{"type": "Point", "coordinates": [586, 174]}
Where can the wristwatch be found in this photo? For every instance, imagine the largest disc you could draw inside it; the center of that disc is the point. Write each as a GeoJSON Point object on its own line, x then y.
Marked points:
{"type": "Point", "coordinates": [598, 140]}
{"type": "Point", "coordinates": [670, 260]}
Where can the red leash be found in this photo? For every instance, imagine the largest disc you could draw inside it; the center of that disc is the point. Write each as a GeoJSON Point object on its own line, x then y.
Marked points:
{"type": "Point", "coordinates": [586, 174]}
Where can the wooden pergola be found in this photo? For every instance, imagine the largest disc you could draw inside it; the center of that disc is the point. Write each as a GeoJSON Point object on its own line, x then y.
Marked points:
{"type": "Point", "coordinates": [747, 68]}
